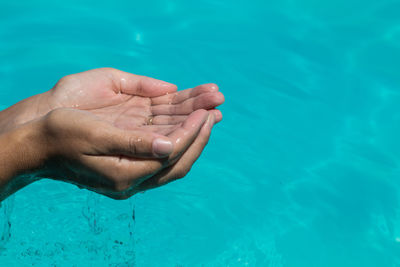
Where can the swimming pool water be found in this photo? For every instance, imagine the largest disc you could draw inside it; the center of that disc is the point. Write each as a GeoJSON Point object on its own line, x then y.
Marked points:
{"type": "Point", "coordinates": [303, 170]}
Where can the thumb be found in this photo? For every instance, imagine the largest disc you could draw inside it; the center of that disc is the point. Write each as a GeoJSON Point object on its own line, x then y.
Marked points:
{"type": "Point", "coordinates": [139, 144]}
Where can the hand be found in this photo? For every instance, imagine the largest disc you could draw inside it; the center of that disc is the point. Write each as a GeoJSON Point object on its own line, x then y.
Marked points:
{"type": "Point", "coordinates": [81, 148]}
{"type": "Point", "coordinates": [130, 101]}
{"type": "Point", "coordinates": [126, 100]}
{"type": "Point", "coordinates": [116, 162]}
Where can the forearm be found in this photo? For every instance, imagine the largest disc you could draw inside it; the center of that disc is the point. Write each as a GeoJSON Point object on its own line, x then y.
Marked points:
{"type": "Point", "coordinates": [24, 111]}
{"type": "Point", "coordinates": [22, 156]}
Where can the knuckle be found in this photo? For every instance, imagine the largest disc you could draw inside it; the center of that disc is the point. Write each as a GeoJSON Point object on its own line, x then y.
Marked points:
{"type": "Point", "coordinates": [174, 108]}
{"type": "Point", "coordinates": [139, 87]}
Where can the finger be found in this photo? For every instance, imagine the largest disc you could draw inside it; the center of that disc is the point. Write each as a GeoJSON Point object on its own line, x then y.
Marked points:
{"type": "Point", "coordinates": [138, 143]}
{"type": "Point", "coordinates": [160, 129]}
{"type": "Point", "coordinates": [183, 95]}
{"type": "Point", "coordinates": [184, 164]}
{"type": "Point", "coordinates": [185, 135]}
{"type": "Point", "coordinates": [203, 101]}
{"type": "Point", "coordinates": [133, 84]}
{"type": "Point", "coordinates": [168, 120]}
{"type": "Point", "coordinates": [217, 115]}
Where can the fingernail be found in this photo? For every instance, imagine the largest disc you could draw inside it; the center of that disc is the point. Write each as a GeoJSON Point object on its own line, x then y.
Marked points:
{"type": "Point", "coordinates": [162, 147]}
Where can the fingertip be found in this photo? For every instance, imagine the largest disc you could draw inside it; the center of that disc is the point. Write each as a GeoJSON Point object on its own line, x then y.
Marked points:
{"type": "Point", "coordinates": [168, 87]}
{"type": "Point", "coordinates": [214, 87]}
{"type": "Point", "coordinates": [199, 113]}
{"type": "Point", "coordinates": [209, 100]}
{"type": "Point", "coordinates": [207, 88]}
{"type": "Point", "coordinates": [220, 97]}
{"type": "Point", "coordinates": [217, 114]}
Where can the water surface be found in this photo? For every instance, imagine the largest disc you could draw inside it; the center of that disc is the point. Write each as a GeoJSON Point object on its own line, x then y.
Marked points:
{"type": "Point", "coordinates": [303, 171]}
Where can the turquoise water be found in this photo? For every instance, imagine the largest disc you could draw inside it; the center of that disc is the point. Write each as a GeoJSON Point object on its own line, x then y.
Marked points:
{"type": "Point", "coordinates": [303, 171]}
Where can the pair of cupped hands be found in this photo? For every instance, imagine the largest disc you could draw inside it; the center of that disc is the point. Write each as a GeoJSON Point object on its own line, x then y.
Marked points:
{"type": "Point", "coordinates": [118, 133]}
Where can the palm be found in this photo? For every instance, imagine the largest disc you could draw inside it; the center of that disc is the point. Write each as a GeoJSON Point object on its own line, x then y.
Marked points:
{"type": "Point", "coordinates": [131, 102]}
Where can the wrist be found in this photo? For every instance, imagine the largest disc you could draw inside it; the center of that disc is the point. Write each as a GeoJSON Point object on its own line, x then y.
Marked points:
{"type": "Point", "coordinates": [24, 111]}
{"type": "Point", "coordinates": [23, 157]}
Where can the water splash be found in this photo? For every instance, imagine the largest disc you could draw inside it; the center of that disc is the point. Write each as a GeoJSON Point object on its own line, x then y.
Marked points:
{"type": "Point", "coordinates": [90, 212]}
{"type": "Point", "coordinates": [132, 228]}
{"type": "Point", "coordinates": [6, 208]}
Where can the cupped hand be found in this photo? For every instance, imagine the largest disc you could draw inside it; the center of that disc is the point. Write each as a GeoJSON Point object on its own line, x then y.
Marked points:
{"type": "Point", "coordinates": [133, 102]}
{"type": "Point", "coordinates": [111, 131]}
{"type": "Point", "coordinates": [117, 162]}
